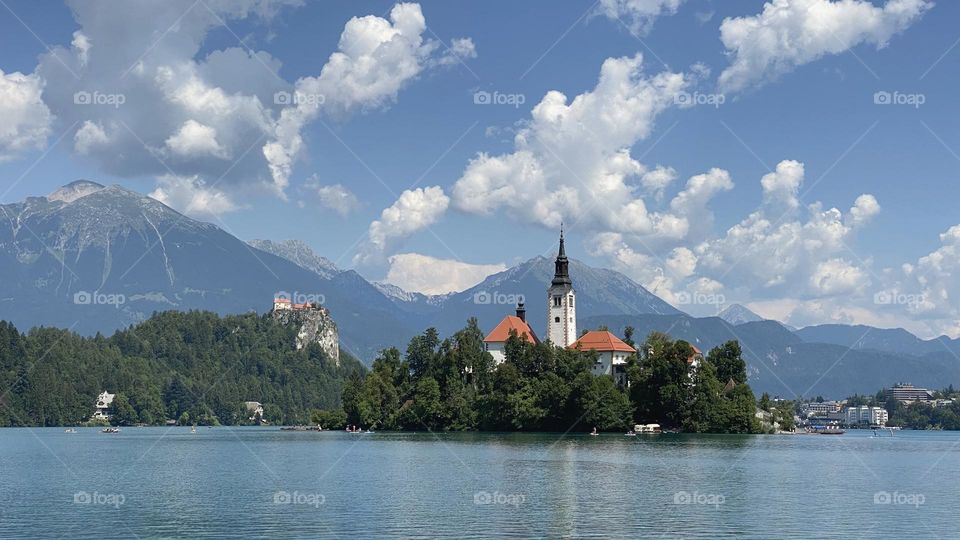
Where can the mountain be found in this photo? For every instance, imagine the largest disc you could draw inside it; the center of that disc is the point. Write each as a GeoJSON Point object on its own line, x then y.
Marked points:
{"type": "Point", "coordinates": [892, 340]}
{"type": "Point", "coordinates": [737, 314]}
{"type": "Point", "coordinates": [783, 364]}
{"type": "Point", "coordinates": [95, 258]}
{"type": "Point", "coordinates": [298, 252]}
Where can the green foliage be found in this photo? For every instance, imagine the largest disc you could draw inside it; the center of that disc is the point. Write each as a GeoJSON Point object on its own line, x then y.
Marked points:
{"type": "Point", "coordinates": [453, 385]}
{"type": "Point", "coordinates": [193, 367]}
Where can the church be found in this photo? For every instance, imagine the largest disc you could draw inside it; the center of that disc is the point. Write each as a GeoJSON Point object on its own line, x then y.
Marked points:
{"type": "Point", "coordinates": [612, 352]}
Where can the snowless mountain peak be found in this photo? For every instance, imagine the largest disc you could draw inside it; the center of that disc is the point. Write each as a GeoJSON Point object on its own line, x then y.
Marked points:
{"type": "Point", "coordinates": [75, 190]}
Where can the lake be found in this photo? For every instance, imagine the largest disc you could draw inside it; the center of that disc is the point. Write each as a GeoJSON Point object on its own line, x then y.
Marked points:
{"type": "Point", "coordinates": [261, 482]}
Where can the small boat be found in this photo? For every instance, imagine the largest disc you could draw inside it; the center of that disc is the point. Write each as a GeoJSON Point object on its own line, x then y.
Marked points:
{"type": "Point", "coordinates": [110, 430]}
{"type": "Point", "coordinates": [70, 430]}
{"type": "Point", "coordinates": [193, 429]}
{"type": "Point", "coordinates": [369, 431]}
{"type": "Point", "coordinates": [594, 432]}
{"type": "Point", "coordinates": [832, 431]}
{"type": "Point", "coordinates": [630, 433]}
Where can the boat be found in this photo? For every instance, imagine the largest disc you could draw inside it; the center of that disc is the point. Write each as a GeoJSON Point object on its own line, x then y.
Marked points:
{"type": "Point", "coordinates": [630, 433]}
{"type": "Point", "coordinates": [594, 432]}
{"type": "Point", "coordinates": [110, 430]}
{"type": "Point", "coordinates": [193, 429]}
{"type": "Point", "coordinates": [648, 429]}
{"type": "Point", "coordinates": [70, 430]}
{"type": "Point", "coordinates": [831, 431]}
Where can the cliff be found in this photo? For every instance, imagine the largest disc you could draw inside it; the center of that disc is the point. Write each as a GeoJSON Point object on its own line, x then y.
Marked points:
{"type": "Point", "coordinates": [316, 326]}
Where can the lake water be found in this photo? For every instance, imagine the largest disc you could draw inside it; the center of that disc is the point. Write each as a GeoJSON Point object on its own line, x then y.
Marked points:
{"type": "Point", "coordinates": [261, 482]}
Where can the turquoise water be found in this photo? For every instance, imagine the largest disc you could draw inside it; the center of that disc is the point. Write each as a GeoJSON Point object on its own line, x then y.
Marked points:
{"type": "Point", "coordinates": [261, 482]}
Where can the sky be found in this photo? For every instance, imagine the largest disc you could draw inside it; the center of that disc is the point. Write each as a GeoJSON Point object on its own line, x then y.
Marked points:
{"type": "Point", "coordinates": [797, 156]}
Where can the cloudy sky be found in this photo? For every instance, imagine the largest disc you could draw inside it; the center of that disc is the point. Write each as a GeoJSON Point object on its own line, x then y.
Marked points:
{"type": "Point", "coordinates": [797, 156]}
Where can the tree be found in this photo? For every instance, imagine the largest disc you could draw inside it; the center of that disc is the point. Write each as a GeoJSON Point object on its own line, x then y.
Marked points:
{"type": "Point", "coordinates": [121, 413]}
{"type": "Point", "coordinates": [729, 362]}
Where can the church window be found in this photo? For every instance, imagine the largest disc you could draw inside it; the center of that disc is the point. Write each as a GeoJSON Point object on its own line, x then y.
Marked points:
{"type": "Point", "coordinates": [556, 319]}
{"type": "Point", "coordinates": [571, 301]}
{"type": "Point", "coordinates": [557, 301]}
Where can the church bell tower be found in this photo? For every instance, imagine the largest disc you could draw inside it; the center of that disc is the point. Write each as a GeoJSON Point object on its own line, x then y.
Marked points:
{"type": "Point", "coordinates": [561, 312]}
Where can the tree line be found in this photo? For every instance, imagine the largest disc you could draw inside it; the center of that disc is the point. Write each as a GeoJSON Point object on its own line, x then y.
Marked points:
{"type": "Point", "coordinates": [193, 367]}
{"type": "Point", "coordinates": [453, 384]}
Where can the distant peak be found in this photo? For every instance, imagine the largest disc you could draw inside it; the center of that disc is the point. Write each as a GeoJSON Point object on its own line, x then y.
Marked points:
{"type": "Point", "coordinates": [738, 314]}
{"type": "Point", "coordinates": [75, 190]}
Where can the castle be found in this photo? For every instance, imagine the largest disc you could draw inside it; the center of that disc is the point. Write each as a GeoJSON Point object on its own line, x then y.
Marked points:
{"type": "Point", "coordinates": [612, 352]}
{"type": "Point", "coordinates": [316, 324]}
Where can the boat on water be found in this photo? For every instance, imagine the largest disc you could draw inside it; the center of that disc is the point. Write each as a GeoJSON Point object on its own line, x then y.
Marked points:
{"type": "Point", "coordinates": [70, 430]}
{"type": "Point", "coordinates": [594, 432]}
{"type": "Point", "coordinates": [647, 429]}
{"type": "Point", "coordinates": [193, 429]}
{"type": "Point", "coordinates": [110, 430]}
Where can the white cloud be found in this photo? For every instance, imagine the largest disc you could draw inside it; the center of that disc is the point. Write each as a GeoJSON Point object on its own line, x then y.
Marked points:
{"type": "Point", "coordinates": [638, 15]}
{"type": "Point", "coordinates": [782, 187]}
{"type": "Point", "coordinates": [657, 180]}
{"type": "Point", "coordinates": [26, 119]}
{"type": "Point", "coordinates": [194, 139]}
{"type": "Point", "coordinates": [208, 112]}
{"type": "Point", "coordinates": [837, 276]}
{"type": "Point", "coordinates": [421, 273]}
{"type": "Point", "coordinates": [864, 209]}
{"type": "Point", "coordinates": [376, 58]}
{"type": "Point", "coordinates": [790, 33]}
{"type": "Point", "coordinates": [336, 197]}
{"type": "Point", "coordinates": [192, 196]}
{"type": "Point", "coordinates": [412, 212]}
{"type": "Point", "coordinates": [572, 158]}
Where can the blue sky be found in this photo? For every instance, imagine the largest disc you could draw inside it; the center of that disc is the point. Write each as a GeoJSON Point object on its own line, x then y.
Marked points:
{"type": "Point", "coordinates": [403, 117]}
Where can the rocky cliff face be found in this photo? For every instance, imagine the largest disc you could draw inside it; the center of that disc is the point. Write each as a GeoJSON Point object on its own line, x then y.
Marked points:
{"type": "Point", "coordinates": [316, 326]}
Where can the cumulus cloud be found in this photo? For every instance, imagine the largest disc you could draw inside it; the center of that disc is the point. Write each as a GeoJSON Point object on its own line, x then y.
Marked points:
{"type": "Point", "coordinates": [412, 212]}
{"type": "Point", "coordinates": [376, 58]}
{"type": "Point", "coordinates": [26, 119]}
{"type": "Point", "coordinates": [572, 158]}
{"type": "Point", "coordinates": [335, 197]}
{"type": "Point", "coordinates": [428, 275]}
{"type": "Point", "coordinates": [638, 15]}
{"type": "Point", "coordinates": [791, 33]}
{"type": "Point", "coordinates": [150, 99]}
{"type": "Point", "coordinates": [192, 196]}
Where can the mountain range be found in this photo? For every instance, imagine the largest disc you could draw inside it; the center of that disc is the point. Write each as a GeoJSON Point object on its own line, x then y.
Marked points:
{"type": "Point", "coordinates": [96, 258]}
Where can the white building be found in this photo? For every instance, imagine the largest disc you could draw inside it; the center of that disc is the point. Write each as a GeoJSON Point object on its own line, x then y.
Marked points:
{"type": "Point", "coordinates": [255, 410]}
{"type": "Point", "coordinates": [495, 342]}
{"type": "Point", "coordinates": [101, 408]}
{"type": "Point", "coordinates": [863, 415]}
{"type": "Point", "coordinates": [561, 310]}
{"type": "Point", "coordinates": [612, 353]}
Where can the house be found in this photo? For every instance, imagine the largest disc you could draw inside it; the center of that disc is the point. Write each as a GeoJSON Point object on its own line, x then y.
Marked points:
{"type": "Point", "coordinates": [907, 393]}
{"type": "Point", "coordinates": [255, 410]}
{"type": "Point", "coordinates": [102, 406]}
{"type": "Point", "coordinates": [696, 358]}
{"type": "Point", "coordinates": [863, 415]}
{"type": "Point", "coordinates": [612, 353]}
{"type": "Point", "coordinates": [496, 341]}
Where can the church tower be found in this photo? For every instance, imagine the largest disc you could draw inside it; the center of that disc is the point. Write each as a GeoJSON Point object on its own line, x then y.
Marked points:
{"type": "Point", "coordinates": [561, 312]}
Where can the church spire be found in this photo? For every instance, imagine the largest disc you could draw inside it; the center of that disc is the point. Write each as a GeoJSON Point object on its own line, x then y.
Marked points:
{"type": "Point", "coordinates": [561, 275]}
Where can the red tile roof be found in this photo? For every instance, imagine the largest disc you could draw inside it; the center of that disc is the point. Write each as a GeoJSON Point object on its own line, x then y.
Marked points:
{"type": "Point", "coordinates": [511, 322]}
{"type": "Point", "coordinates": [281, 301]}
{"type": "Point", "coordinates": [602, 341]}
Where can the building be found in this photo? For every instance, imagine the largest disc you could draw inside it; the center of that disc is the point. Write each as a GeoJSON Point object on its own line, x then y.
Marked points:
{"type": "Point", "coordinates": [255, 410]}
{"type": "Point", "coordinates": [863, 415]}
{"type": "Point", "coordinates": [496, 341]}
{"type": "Point", "coordinates": [282, 303]}
{"type": "Point", "coordinates": [823, 408]}
{"type": "Point", "coordinates": [102, 406]}
{"type": "Point", "coordinates": [907, 392]}
{"type": "Point", "coordinates": [612, 353]}
{"type": "Point", "coordinates": [561, 311]}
